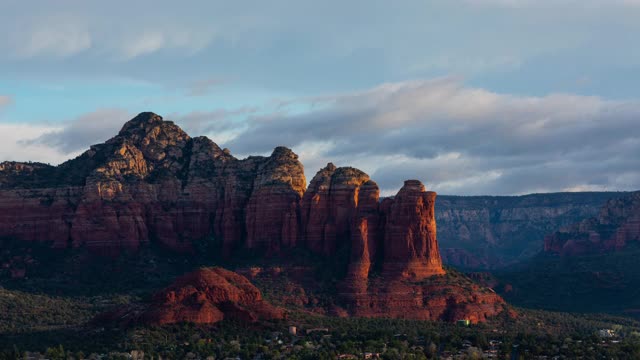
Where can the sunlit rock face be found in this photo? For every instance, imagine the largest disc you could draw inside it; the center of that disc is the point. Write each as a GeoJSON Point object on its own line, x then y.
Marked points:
{"type": "Point", "coordinates": [410, 244]}
{"type": "Point", "coordinates": [152, 182]}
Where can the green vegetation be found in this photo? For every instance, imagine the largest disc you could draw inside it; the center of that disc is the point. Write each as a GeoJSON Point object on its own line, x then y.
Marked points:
{"type": "Point", "coordinates": [534, 333]}
{"type": "Point", "coordinates": [608, 282]}
{"type": "Point", "coordinates": [51, 311]}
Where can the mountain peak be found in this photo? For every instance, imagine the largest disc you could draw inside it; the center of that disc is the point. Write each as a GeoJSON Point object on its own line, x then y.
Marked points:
{"type": "Point", "coordinates": [143, 120]}
{"type": "Point", "coordinates": [152, 134]}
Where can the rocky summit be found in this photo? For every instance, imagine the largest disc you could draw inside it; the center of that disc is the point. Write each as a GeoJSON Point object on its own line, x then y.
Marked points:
{"type": "Point", "coordinates": [154, 183]}
{"type": "Point", "coordinates": [208, 296]}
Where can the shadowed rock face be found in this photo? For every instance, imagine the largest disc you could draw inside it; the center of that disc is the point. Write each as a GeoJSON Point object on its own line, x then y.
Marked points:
{"type": "Point", "coordinates": [154, 183]}
{"type": "Point", "coordinates": [207, 296]}
{"type": "Point", "coordinates": [483, 232]}
{"type": "Point", "coordinates": [617, 225]}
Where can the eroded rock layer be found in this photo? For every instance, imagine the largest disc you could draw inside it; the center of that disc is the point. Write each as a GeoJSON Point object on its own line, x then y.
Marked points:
{"type": "Point", "coordinates": [617, 225]}
{"type": "Point", "coordinates": [484, 232]}
{"type": "Point", "coordinates": [154, 183]}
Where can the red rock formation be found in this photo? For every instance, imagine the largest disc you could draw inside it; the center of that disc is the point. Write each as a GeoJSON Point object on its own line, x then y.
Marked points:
{"type": "Point", "coordinates": [617, 225]}
{"type": "Point", "coordinates": [329, 207]}
{"type": "Point", "coordinates": [410, 245]}
{"type": "Point", "coordinates": [272, 212]}
{"type": "Point", "coordinates": [207, 296]}
{"type": "Point", "coordinates": [410, 284]}
{"type": "Point", "coordinates": [366, 237]}
{"type": "Point", "coordinates": [435, 299]}
{"type": "Point", "coordinates": [154, 183]}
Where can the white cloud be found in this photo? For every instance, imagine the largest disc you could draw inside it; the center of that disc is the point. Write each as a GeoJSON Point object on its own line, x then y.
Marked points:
{"type": "Point", "coordinates": [455, 138]}
{"type": "Point", "coordinates": [188, 42]}
{"type": "Point", "coordinates": [76, 135]}
{"type": "Point", "coordinates": [461, 139]}
{"type": "Point", "coordinates": [12, 147]}
{"type": "Point", "coordinates": [142, 44]}
{"type": "Point", "coordinates": [55, 36]}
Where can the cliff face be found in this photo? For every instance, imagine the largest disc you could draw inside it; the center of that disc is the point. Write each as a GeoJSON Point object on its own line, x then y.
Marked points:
{"type": "Point", "coordinates": [154, 183]}
{"type": "Point", "coordinates": [493, 231]}
{"type": "Point", "coordinates": [329, 206]}
{"type": "Point", "coordinates": [401, 236]}
{"type": "Point", "coordinates": [411, 249]}
{"type": "Point", "coordinates": [616, 225]}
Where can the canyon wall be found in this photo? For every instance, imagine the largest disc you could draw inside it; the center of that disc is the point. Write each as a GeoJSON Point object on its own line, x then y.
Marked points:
{"type": "Point", "coordinates": [483, 232]}
{"type": "Point", "coordinates": [616, 226]}
{"type": "Point", "coordinates": [154, 183]}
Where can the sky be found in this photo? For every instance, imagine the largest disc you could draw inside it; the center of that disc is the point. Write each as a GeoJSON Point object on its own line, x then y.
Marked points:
{"type": "Point", "coordinates": [472, 97]}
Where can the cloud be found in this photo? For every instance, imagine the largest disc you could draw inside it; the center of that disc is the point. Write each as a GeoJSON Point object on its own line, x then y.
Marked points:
{"type": "Point", "coordinates": [146, 42]}
{"type": "Point", "coordinates": [456, 138]}
{"type": "Point", "coordinates": [464, 140]}
{"type": "Point", "coordinates": [221, 125]}
{"type": "Point", "coordinates": [12, 147]}
{"type": "Point", "coordinates": [77, 134]}
{"type": "Point", "coordinates": [55, 36]}
{"type": "Point", "coordinates": [203, 87]}
{"type": "Point", "coordinates": [5, 100]}
{"type": "Point", "coordinates": [546, 3]}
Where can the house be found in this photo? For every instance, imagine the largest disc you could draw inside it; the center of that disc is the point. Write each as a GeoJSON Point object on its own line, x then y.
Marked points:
{"type": "Point", "coordinates": [606, 333]}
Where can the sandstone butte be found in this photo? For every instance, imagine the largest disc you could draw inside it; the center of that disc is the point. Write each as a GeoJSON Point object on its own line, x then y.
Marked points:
{"type": "Point", "coordinates": [205, 296]}
{"type": "Point", "coordinates": [153, 182]}
{"type": "Point", "coordinates": [617, 225]}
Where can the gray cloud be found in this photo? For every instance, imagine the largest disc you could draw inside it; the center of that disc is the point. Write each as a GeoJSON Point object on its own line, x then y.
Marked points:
{"type": "Point", "coordinates": [203, 87]}
{"type": "Point", "coordinates": [466, 140]}
{"type": "Point", "coordinates": [77, 134]}
{"type": "Point", "coordinates": [457, 139]}
{"type": "Point", "coordinates": [53, 35]}
{"type": "Point", "coordinates": [98, 126]}
{"type": "Point", "coordinates": [286, 46]}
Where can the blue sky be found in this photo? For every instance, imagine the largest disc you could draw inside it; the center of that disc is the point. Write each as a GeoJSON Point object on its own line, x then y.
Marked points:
{"type": "Point", "coordinates": [390, 87]}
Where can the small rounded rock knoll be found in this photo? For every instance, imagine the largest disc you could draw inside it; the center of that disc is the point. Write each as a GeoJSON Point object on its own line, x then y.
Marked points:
{"type": "Point", "coordinates": [207, 296]}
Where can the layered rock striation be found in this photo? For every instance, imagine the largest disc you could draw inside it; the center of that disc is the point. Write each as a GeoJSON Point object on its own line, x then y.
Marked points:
{"type": "Point", "coordinates": [616, 226]}
{"type": "Point", "coordinates": [484, 232]}
{"type": "Point", "coordinates": [154, 183]}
